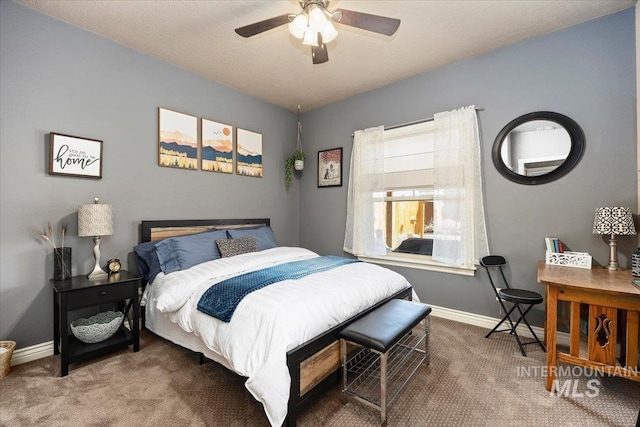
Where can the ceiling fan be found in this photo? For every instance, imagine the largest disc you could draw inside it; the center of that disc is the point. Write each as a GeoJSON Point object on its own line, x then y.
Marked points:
{"type": "Point", "coordinates": [313, 25]}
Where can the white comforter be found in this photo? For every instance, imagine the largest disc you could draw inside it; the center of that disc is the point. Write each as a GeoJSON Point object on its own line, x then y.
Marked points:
{"type": "Point", "coordinates": [274, 319]}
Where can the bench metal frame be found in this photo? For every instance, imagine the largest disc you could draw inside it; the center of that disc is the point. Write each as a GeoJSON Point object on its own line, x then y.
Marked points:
{"type": "Point", "coordinates": [372, 370]}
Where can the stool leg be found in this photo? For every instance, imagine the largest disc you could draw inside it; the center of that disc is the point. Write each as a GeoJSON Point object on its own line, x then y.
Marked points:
{"type": "Point", "coordinates": [383, 388]}
{"type": "Point", "coordinates": [343, 354]}
{"type": "Point", "coordinates": [427, 351]}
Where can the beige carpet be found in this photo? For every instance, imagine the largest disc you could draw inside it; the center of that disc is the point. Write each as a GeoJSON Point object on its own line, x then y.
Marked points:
{"type": "Point", "coordinates": [471, 381]}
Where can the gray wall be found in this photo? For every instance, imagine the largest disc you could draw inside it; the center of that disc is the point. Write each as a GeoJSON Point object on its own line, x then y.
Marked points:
{"type": "Point", "coordinates": [57, 78]}
{"type": "Point", "coordinates": [586, 72]}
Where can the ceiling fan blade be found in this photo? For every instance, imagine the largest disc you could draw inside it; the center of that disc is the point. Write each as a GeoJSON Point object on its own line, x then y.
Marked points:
{"type": "Point", "coordinates": [262, 26]}
{"type": "Point", "coordinates": [366, 21]}
{"type": "Point", "coordinates": [319, 53]}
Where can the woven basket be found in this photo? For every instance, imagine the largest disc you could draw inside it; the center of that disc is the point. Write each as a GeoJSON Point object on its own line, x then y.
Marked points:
{"type": "Point", "coordinates": [97, 328]}
{"type": "Point", "coordinates": [5, 356]}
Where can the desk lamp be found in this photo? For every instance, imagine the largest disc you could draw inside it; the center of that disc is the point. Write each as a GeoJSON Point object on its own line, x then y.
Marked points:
{"type": "Point", "coordinates": [615, 222]}
{"type": "Point", "coordinates": [95, 220]}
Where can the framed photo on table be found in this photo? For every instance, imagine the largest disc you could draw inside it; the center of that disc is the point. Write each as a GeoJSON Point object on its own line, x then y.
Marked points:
{"type": "Point", "coordinates": [330, 168]}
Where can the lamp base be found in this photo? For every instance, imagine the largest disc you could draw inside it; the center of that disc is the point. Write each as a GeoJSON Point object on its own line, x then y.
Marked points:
{"type": "Point", "coordinates": [613, 254]}
{"type": "Point", "coordinates": [613, 267]}
{"type": "Point", "coordinates": [97, 272]}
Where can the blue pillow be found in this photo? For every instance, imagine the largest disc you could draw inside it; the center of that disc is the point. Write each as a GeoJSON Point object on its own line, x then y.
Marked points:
{"type": "Point", "coordinates": [147, 260]}
{"type": "Point", "coordinates": [263, 235]}
{"type": "Point", "coordinates": [180, 253]}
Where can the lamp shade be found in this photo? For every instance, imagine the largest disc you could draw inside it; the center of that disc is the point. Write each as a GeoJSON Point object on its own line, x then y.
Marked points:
{"type": "Point", "coordinates": [95, 220]}
{"type": "Point", "coordinates": [618, 221]}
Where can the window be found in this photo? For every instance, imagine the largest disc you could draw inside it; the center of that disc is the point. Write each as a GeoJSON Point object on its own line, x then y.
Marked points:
{"type": "Point", "coordinates": [405, 210]}
{"type": "Point", "coordinates": [416, 191]}
{"type": "Point", "coordinates": [403, 213]}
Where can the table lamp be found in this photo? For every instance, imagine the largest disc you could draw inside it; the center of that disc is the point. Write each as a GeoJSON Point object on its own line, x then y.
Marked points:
{"type": "Point", "coordinates": [95, 220]}
{"type": "Point", "coordinates": [615, 222]}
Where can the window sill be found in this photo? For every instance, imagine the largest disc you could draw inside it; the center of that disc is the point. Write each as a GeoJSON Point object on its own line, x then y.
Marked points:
{"type": "Point", "coordinates": [420, 262]}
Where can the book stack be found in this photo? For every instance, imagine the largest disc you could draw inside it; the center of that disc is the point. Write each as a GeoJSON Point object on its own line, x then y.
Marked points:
{"type": "Point", "coordinates": [554, 245]}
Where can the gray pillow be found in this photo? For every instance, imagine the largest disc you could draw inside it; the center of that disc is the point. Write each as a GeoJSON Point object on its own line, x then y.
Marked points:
{"type": "Point", "coordinates": [232, 247]}
{"type": "Point", "coordinates": [263, 235]}
{"type": "Point", "coordinates": [147, 260]}
{"type": "Point", "coordinates": [180, 253]}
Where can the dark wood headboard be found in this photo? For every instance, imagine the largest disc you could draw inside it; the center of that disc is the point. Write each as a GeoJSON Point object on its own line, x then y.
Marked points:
{"type": "Point", "coordinates": [161, 229]}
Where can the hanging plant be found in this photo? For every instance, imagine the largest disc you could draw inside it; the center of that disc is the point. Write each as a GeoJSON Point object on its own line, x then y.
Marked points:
{"type": "Point", "coordinates": [290, 165]}
{"type": "Point", "coordinates": [296, 160]}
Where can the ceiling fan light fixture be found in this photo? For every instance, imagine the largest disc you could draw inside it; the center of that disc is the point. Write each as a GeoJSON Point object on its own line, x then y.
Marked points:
{"type": "Point", "coordinates": [316, 18]}
{"type": "Point", "coordinates": [310, 38]}
{"type": "Point", "coordinates": [314, 25]}
{"type": "Point", "coordinates": [298, 26]}
{"type": "Point", "coordinates": [329, 32]}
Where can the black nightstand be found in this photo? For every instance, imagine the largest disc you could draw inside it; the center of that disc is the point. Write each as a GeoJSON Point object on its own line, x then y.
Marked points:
{"type": "Point", "coordinates": [80, 292]}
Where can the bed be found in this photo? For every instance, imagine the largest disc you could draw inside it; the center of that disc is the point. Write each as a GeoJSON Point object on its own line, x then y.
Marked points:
{"type": "Point", "coordinates": [286, 346]}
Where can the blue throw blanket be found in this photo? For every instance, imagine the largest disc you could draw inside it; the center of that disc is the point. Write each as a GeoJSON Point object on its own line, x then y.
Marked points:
{"type": "Point", "coordinates": [221, 299]}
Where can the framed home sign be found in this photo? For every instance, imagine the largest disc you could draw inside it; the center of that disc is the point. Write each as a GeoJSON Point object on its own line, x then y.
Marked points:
{"type": "Point", "coordinates": [330, 168]}
{"type": "Point", "coordinates": [75, 156]}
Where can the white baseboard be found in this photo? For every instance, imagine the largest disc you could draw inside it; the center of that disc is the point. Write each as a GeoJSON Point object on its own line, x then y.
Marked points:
{"type": "Point", "coordinates": [38, 351]}
{"type": "Point", "coordinates": [489, 322]}
{"type": "Point", "coordinates": [34, 352]}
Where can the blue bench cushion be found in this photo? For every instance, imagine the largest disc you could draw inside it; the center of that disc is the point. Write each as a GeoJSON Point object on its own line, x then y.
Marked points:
{"type": "Point", "coordinates": [383, 327]}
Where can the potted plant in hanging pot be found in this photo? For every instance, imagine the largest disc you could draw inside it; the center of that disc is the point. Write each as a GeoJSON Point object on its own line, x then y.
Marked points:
{"type": "Point", "coordinates": [298, 163]}
{"type": "Point", "coordinates": [295, 161]}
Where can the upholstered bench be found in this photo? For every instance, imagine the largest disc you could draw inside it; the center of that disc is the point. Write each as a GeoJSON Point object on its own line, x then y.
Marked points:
{"type": "Point", "coordinates": [382, 350]}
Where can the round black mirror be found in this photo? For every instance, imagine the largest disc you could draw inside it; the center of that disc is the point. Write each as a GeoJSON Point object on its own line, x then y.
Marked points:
{"type": "Point", "coordinates": [537, 148]}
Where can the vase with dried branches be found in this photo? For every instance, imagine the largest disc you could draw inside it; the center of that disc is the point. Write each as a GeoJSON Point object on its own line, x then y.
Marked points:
{"type": "Point", "coordinates": [61, 254]}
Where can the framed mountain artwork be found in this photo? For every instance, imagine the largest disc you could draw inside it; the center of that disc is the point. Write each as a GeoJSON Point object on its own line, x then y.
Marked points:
{"type": "Point", "coordinates": [177, 140]}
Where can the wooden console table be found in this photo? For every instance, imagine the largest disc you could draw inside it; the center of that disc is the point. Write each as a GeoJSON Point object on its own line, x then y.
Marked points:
{"type": "Point", "coordinates": [606, 293]}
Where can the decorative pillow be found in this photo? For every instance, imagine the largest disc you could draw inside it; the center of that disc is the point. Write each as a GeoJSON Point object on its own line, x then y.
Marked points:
{"type": "Point", "coordinates": [180, 253]}
{"type": "Point", "coordinates": [147, 260]}
{"type": "Point", "coordinates": [233, 247]}
{"type": "Point", "coordinates": [263, 235]}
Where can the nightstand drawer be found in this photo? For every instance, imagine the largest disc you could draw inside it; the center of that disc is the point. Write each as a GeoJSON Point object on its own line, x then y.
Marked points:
{"type": "Point", "coordinates": [101, 294]}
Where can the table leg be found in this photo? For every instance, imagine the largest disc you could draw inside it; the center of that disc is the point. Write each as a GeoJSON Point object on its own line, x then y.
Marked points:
{"type": "Point", "coordinates": [56, 324]}
{"type": "Point", "coordinates": [135, 328]}
{"type": "Point", "coordinates": [64, 334]}
{"type": "Point", "coordinates": [546, 310]}
{"type": "Point", "coordinates": [631, 356]}
{"type": "Point", "coordinates": [552, 334]}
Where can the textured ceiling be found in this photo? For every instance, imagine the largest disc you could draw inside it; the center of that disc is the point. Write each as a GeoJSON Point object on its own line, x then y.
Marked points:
{"type": "Point", "coordinates": [274, 66]}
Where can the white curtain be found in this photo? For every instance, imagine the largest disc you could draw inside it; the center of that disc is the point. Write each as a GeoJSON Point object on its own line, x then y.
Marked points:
{"type": "Point", "coordinates": [460, 234]}
{"type": "Point", "coordinates": [366, 182]}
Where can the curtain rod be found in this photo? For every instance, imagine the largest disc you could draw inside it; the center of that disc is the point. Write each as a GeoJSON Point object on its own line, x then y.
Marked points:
{"type": "Point", "coordinates": [415, 122]}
